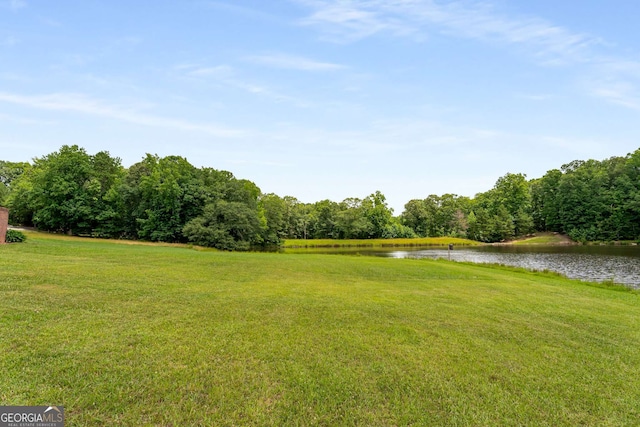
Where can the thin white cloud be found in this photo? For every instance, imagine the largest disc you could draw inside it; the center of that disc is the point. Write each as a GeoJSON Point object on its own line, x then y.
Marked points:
{"type": "Point", "coordinates": [615, 80]}
{"type": "Point", "coordinates": [542, 38]}
{"type": "Point", "coordinates": [219, 71]}
{"type": "Point", "coordinates": [544, 42]}
{"type": "Point", "coordinates": [618, 92]}
{"type": "Point", "coordinates": [363, 18]}
{"type": "Point", "coordinates": [227, 75]}
{"type": "Point", "coordinates": [293, 62]}
{"type": "Point", "coordinates": [347, 22]}
{"type": "Point", "coordinates": [82, 104]}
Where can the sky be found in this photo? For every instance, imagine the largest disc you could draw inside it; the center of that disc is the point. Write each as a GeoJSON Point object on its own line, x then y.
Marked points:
{"type": "Point", "coordinates": [326, 99]}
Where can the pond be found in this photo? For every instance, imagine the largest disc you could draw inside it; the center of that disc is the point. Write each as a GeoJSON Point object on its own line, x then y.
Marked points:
{"type": "Point", "coordinates": [621, 264]}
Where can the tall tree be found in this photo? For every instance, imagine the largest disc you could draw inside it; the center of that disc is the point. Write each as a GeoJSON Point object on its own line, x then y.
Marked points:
{"type": "Point", "coordinates": [65, 190]}
{"type": "Point", "coordinates": [546, 201]}
{"type": "Point", "coordinates": [160, 195]}
{"type": "Point", "coordinates": [226, 225]}
{"type": "Point", "coordinates": [322, 220]}
{"type": "Point", "coordinates": [9, 172]}
{"type": "Point", "coordinates": [378, 213]}
{"type": "Point", "coordinates": [415, 216]}
{"type": "Point", "coordinates": [276, 213]}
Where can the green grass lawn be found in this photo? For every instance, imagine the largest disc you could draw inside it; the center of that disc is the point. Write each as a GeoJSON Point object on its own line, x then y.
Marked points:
{"type": "Point", "coordinates": [546, 239]}
{"type": "Point", "coordinates": [167, 336]}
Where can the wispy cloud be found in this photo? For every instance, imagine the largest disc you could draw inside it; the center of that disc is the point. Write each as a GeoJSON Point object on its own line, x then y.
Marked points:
{"type": "Point", "coordinates": [618, 92]}
{"type": "Point", "coordinates": [218, 71]}
{"type": "Point", "coordinates": [544, 42]}
{"type": "Point", "coordinates": [228, 76]}
{"type": "Point", "coordinates": [347, 22]}
{"type": "Point", "coordinates": [547, 41]}
{"type": "Point", "coordinates": [293, 62]}
{"type": "Point", "coordinates": [615, 80]}
{"type": "Point", "coordinates": [467, 19]}
{"type": "Point", "coordinates": [85, 105]}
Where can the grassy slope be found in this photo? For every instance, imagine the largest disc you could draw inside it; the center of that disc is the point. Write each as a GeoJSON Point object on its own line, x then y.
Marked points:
{"type": "Point", "coordinates": [546, 239]}
{"type": "Point", "coordinates": [149, 335]}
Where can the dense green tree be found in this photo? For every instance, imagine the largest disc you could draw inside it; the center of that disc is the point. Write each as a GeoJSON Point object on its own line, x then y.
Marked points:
{"type": "Point", "coordinates": [106, 177]}
{"type": "Point", "coordinates": [276, 213]}
{"type": "Point", "coordinates": [160, 195]}
{"type": "Point", "coordinates": [503, 226]}
{"type": "Point", "coordinates": [9, 172]}
{"type": "Point", "coordinates": [438, 216]}
{"type": "Point", "coordinates": [351, 220]}
{"type": "Point", "coordinates": [168, 199]}
{"type": "Point", "coordinates": [298, 216]}
{"type": "Point", "coordinates": [512, 192]}
{"type": "Point", "coordinates": [236, 215]}
{"type": "Point", "coordinates": [322, 220]}
{"type": "Point", "coordinates": [483, 226]}
{"type": "Point", "coordinates": [452, 215]}
{"type": "Point", "coordinates": [226, 225]}
{"type": "Point", "coordinates": [504, 212]}
{"type": "Point", "coordinates": [396, 230]}
{"type": "Point", "coordinates": [65, 191]}
{"type": "Point", "coordinates": [20, 199]}
{"type": "Point", "coordinates": [589, 200]}
{"type": "Point", "coordinates": [474, 230]}
{"type": "Point", "coordinates": [631, 200]}
{"type": "Point", "coordinates": [377, 213]}
{"type": "Point", "coordinates": [546, 201]}
{"type": "Point", "coordinates": [4, 193]}
{"type": "Point", "coordinates": [416, 217]}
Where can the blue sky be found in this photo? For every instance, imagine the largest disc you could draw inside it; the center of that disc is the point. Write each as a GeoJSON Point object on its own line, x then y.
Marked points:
{"type": "Point", "coordinates": [326, 99]}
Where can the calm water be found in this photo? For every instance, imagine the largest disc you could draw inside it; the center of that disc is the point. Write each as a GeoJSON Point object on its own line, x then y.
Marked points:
{"type": "Point", "coordinates": [593, 263]}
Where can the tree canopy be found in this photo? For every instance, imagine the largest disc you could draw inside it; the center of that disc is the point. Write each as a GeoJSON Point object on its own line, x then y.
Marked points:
{"type": "Point", "coordinates": [167, 199]}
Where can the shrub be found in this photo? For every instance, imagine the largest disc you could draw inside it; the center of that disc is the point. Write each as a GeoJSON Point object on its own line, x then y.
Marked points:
{"type": "Point", "coordinates": [15, 236]}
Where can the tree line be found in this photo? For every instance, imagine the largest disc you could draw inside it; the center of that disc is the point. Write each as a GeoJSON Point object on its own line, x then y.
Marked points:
{"type": "Point", "coordinates": [169, 200]}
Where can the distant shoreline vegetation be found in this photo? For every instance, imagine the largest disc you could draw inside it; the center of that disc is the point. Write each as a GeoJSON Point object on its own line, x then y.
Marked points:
{"type": "Point", "coordinates": [412, 242]}
{"type": "Point", "coordinates": [169, 200]}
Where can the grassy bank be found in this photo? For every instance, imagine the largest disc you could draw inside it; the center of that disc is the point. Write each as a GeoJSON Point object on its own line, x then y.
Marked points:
{"type": "Point", "coordinates": [158, 335]}
{"type": "Point", "coordinates": [545, 239]}
{"type": "Point", "coordinates": [555, 239]}
{"type": "Point", "coordinates": [418, 241]}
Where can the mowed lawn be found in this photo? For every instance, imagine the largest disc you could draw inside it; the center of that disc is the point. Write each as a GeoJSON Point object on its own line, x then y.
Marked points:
{"type": "Point", "coordinates": [170, 336]}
